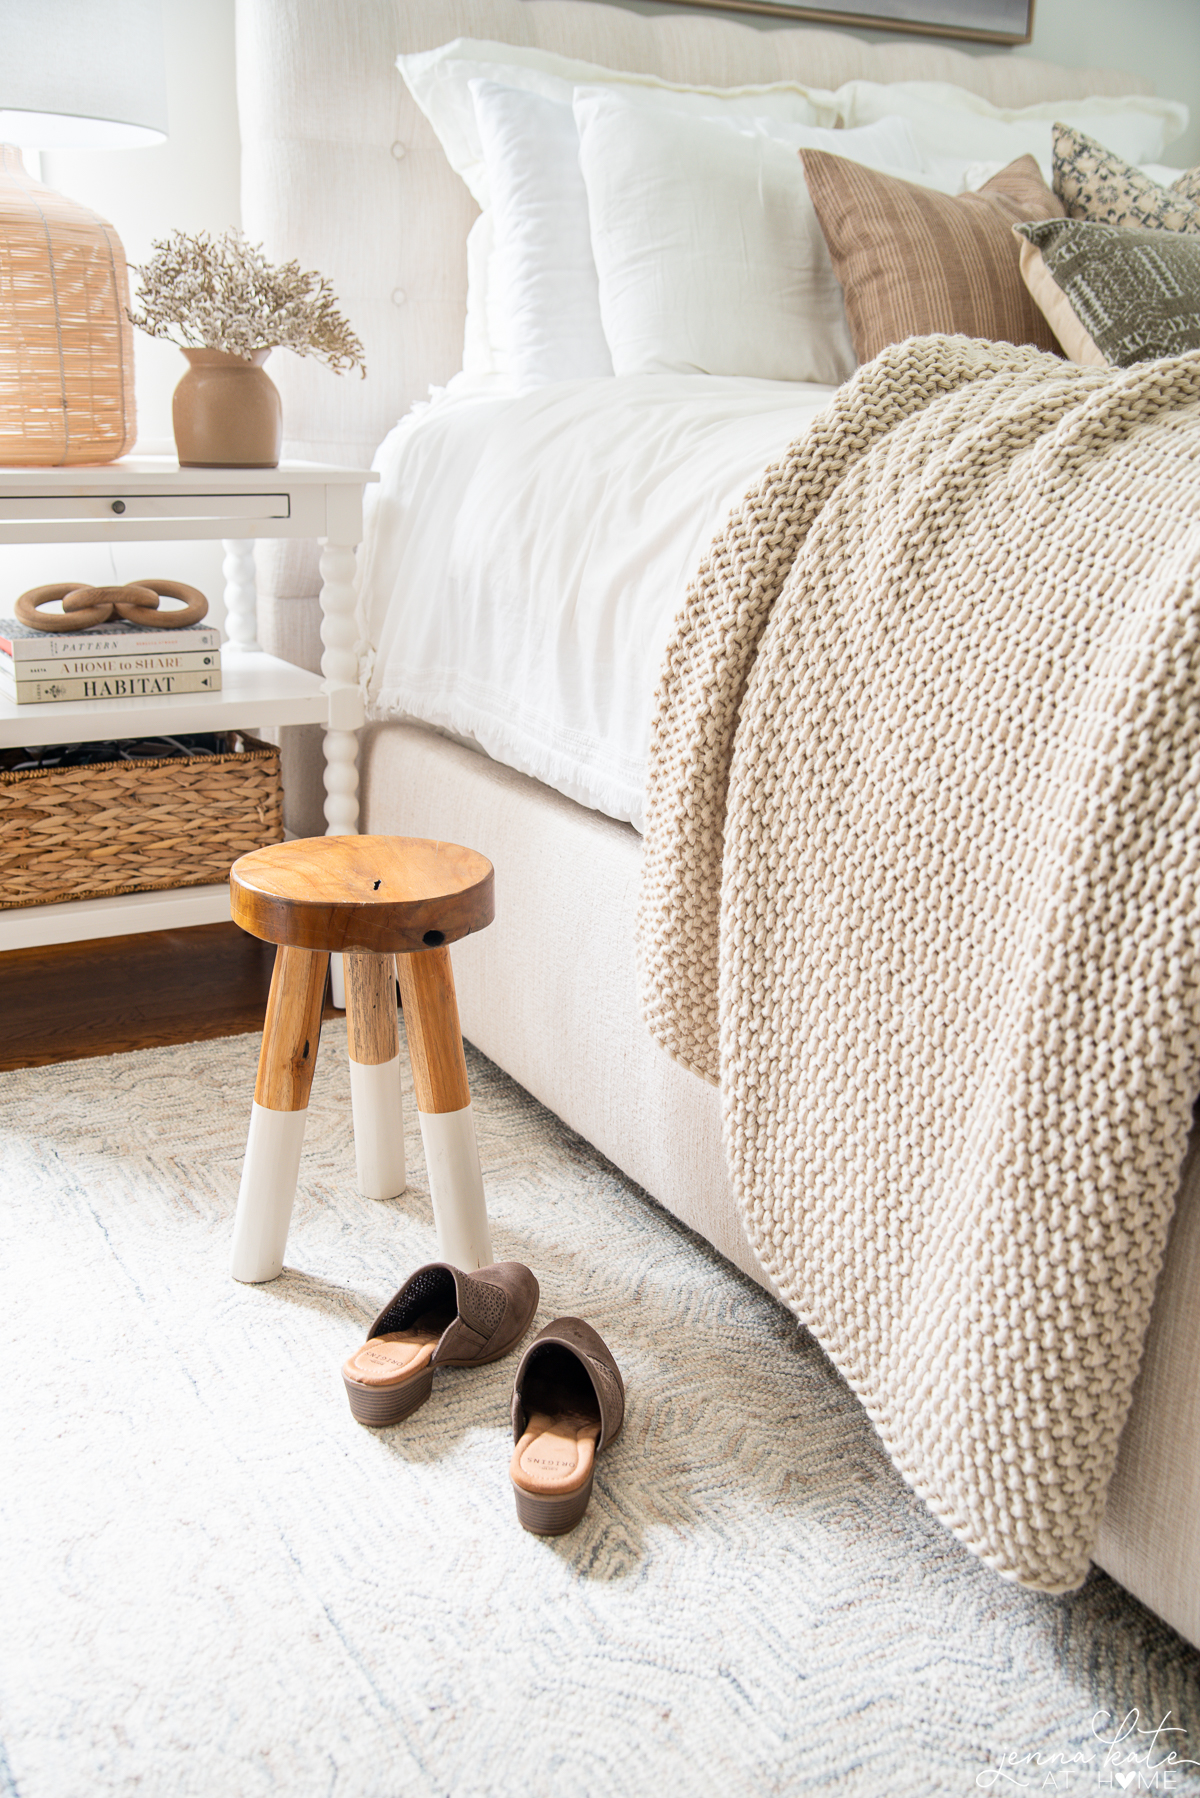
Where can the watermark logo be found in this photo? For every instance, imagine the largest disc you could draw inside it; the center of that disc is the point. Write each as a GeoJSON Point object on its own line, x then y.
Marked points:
{"type": "Point", "coordinates": [1122, 1755]}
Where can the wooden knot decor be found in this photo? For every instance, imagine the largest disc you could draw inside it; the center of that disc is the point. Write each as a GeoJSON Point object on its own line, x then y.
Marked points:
{"type": "Point", "coordinates": [82, 607]}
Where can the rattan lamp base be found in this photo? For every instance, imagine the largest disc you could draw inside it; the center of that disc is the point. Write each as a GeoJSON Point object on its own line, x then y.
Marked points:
{"type": "Point", "coordinates": [66, 345]}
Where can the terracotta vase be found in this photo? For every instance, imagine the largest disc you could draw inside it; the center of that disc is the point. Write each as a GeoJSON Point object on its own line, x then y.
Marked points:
{"type": "Point", "coordinates": [226, 412]}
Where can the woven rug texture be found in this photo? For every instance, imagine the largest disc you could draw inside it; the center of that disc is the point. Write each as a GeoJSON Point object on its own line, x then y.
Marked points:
{"type": "Point", "coordinates": [214, 1583]}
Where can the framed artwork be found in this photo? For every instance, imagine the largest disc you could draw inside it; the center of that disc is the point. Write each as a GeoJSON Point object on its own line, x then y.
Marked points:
{"type": "Point", "coordinates": [987, 21]}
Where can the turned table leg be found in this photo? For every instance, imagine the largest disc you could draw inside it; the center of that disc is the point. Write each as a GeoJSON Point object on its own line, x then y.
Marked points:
{"type": "Point", "coordinates": [373, 1041]}
{"type": "Point", "coordinates": [444, 1106]}
{"type": "Point", "coordinates": [285, 1071]}
{"type": "Point", "coordinates": [241, 595]}
{"type": "Point", "coordinates": [339, 665]}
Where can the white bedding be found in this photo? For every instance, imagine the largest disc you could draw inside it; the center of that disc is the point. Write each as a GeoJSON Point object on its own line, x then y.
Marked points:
{"type": "Point", "coordinates": [524, 557]}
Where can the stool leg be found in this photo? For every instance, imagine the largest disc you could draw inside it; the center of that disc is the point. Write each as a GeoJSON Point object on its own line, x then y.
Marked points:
{"type": "Point", "coordinates": [374, 1044]}
{"type": "Point", "coordinates": [285, 1070]}
{"type": "Point", "coordinates": [444, 1105]}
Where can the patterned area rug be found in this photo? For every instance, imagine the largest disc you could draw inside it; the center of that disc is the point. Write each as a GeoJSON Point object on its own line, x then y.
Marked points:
{"type": "Point", "coordinates": [213, 1582]}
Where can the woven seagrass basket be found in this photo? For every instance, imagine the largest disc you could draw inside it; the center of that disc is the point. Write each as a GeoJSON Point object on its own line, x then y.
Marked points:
{"type": "Point", "coordinates": [135, 827]}
{"type": "Point", "coordinates": [66, 345]}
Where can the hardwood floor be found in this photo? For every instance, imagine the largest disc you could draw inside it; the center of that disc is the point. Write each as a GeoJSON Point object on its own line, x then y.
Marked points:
{"type": "Point", "coordinates": [73, 1000]}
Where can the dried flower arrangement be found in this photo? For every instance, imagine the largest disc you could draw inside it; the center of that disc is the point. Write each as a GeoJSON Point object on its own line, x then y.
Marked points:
{"type": "Point", "coordinates": [221, 293]}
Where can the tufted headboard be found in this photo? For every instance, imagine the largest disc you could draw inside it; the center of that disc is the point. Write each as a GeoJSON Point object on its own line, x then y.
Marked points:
{"type": "Point", "coordinates": [340, 169]}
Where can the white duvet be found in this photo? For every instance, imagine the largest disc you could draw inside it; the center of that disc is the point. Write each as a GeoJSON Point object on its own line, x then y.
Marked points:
{"type": "Point", "coordinates": [524, 558]}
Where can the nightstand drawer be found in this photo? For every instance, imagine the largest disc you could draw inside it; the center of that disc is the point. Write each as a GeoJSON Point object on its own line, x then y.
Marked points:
{"type": "Point", "coordinates": [133, 508]}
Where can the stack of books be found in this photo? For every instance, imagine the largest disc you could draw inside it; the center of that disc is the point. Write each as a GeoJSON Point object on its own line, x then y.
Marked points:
{"type": "Point", "coordinates": [109, 661]}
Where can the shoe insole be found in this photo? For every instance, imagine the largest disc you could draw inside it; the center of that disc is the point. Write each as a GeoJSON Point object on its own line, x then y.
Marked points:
{"type": "Point", "coordinates": [556, 1453]}
{"type": "Point", "coordinates": [391, 1359]}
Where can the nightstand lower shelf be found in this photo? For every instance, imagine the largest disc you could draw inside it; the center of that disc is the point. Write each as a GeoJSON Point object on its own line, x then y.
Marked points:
{"type": "Point", "coordinates": [256, 689]}
{"type": "Point", "coordinates": [78, 920]}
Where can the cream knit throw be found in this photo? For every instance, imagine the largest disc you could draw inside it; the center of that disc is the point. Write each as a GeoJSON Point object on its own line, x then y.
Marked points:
{"type": "Point", "coordinates": [922, 855]}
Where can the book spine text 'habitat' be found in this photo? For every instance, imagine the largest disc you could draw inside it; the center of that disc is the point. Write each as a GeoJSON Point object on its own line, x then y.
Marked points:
{"type": "Point", "coordinates": [112, 686]}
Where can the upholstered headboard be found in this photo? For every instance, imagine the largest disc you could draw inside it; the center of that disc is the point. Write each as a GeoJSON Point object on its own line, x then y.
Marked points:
{"type": "Point", "coordinates": [340, 169]}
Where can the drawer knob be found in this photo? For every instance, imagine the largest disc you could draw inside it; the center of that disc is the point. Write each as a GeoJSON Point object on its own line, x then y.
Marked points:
{"type": "Point", "coordinates": [118, 505]}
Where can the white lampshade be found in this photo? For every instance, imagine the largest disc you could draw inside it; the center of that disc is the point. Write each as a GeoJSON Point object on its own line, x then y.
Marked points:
{"type": "Point", "coordinates": [82, 74]}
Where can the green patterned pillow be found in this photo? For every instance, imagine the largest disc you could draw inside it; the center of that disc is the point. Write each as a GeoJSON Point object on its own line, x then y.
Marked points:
{"type": "Point", "coordinates": [1094, 184]}
{"type": "Point", "coordinates": [1114, 296]}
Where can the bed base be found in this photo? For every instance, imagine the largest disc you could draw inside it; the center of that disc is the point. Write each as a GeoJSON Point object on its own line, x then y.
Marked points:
{"type": "Point", "coordinates": [567, 1026]}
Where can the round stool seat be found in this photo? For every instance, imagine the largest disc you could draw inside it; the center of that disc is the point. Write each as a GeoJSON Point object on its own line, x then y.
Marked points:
{"type": "Point", "coordinates": [390, 895]}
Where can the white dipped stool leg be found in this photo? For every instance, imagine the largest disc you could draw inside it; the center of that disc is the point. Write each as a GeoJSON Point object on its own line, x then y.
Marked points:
{"type": "Point", "coordinates": [269, 1175]}
{"type": "Point", "coordinates": [373, 1040]}
{"type": "Point", "coordinates": [456, 1187]}
{"type": "Point", "coordinates": [285, 1071]}
{"type": "Point", "coordinates": [444, 1105]}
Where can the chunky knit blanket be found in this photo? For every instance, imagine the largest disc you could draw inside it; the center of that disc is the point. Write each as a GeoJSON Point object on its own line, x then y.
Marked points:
{"type": "Point", "coordinates": [922, 853]}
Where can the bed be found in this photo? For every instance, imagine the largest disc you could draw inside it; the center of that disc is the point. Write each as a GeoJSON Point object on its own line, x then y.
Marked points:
{"type": "Point", "coordinates": [341, 169]}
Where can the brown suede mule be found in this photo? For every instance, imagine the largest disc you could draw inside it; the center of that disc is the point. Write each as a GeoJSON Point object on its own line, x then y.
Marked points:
{"type": "Point", "coordinates": [568, 1404]}
{"type": "Point", "coordinates": [440, 1317]}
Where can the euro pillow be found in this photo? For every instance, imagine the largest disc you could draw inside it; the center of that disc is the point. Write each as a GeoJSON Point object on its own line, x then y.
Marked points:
{"type": "Point", "coordinates": [915, 263]}
{"type": "Point", "coordinates": [1115, 295]}
{"type": "Point", "coordinates": [952, 123]}
{"type": "Point", "coordinates": [1097, 184]}
{"type": "Point", "coordinates": [481, 352]}
{"type": "Point", "coordinates": [707, 249]}
{"type": "Point", "coordinates": [544, 296]}
{"type": "Point", "coordinates": [439, 81]}
{"type": "Point", "coordinates": [542, 309]}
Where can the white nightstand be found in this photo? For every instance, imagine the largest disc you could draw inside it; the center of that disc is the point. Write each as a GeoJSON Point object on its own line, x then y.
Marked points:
{"type": "Point", "coordinates": [152, 499]}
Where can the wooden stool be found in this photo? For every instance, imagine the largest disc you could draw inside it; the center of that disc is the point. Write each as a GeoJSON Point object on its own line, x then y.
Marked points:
{"type": "Point", "coordinates": [383, 903]}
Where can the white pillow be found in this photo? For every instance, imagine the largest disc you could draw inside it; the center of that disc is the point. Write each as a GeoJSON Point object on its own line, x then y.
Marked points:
{"type": "Point", "coordinates": [543, 306]}
{"type": "Point", "coordinates": [708, 251]}
{"type": "Point", "coordinates": [440, 79]}
{"type": "Point", "coordinates": [542, 278]}
{"type": "Point", "coordinates": [482, 354]}
{"type": "Point", "coordinates": [1161, 172]}
{"type": "Point", "coordinates": [954, 126]}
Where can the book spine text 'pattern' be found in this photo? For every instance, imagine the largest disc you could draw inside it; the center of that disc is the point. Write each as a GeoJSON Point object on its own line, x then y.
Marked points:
{"type": "Point", "coordinates": [25, 645]}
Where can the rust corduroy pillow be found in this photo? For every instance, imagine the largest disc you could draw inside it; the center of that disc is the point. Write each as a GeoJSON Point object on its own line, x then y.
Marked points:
{"type": "Point", "coordinates": [913, 262]}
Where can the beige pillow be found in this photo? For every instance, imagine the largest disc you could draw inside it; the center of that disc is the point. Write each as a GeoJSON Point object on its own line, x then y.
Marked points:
{"type": "Point", "coordinates": [1114, 295]}
{"type": "Point", "coordinates": [1057, 309]}
{"type": "Point", "coordinates": [915, 263]}
{"type": "Point", "coordinates": [1095, 184]}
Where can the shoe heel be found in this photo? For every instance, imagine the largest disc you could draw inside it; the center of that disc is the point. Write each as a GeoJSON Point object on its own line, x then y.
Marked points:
{"type": "Point", "coordinates": [380, 1405]}
{"type": "Point", "coordinates": [551, 1516]}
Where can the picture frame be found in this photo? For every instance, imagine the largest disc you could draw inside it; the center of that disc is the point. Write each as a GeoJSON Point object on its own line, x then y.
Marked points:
{"type": "Point", "coordinates": [982, 21]}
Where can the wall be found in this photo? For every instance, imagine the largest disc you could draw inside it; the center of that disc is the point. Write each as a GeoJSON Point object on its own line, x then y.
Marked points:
{"type": "Point", "coordinates": [191, 181]}
{"type": "Point", "coordinates": [1156, 38]}
{"type": "Point", "coordinates": [1159, 39]}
